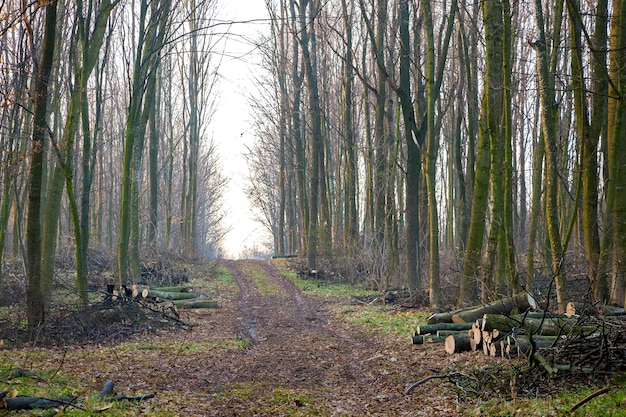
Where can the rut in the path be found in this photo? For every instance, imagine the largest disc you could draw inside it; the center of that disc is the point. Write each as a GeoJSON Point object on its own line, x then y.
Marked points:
{"type": "Point", "coordinates": [288, 334]}
{"type": "Point", "coordinates": [296, 344]}
{"type": "Point", "coordinates": [266, 315]}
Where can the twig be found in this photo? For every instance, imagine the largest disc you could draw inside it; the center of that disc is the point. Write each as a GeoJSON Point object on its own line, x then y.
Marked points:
{"type": "Point", "coordinates": [590, 397]}
{"type": "Point", "coordinates": [60, 365]}
{"type": "Point", "coordinates": [428, 378]}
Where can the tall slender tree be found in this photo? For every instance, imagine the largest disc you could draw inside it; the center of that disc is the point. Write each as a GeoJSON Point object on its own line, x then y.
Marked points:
{"type": "Point", "coordinates": [34, 294]}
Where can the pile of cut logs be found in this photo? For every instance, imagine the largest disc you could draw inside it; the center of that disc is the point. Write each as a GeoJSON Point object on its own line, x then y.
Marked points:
{"type": "Point", "coordinates": [588, 338]}
{"type": "Point", "coordinates": [178, 296]}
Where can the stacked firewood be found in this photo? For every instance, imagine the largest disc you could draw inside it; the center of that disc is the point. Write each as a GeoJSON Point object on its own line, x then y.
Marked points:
{"type": "Point", "coordinates": [177, 296]}
{"type": "Point", "coordinates": [588, 338]}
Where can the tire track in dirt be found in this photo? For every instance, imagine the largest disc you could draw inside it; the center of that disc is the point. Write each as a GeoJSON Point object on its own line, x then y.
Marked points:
{"type": "Point", "coordinates": [297, 345]}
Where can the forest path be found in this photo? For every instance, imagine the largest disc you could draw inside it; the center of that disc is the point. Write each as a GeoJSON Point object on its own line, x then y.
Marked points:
{"type": "Point", "coordinates": [269, 350]}
{"type": "Point", "coordinates": [305, 361]}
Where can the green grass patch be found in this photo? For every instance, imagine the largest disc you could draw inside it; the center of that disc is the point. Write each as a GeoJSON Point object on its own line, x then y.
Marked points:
{"type": "Point", "coordinates": [611, 404]}
{"type": "Point", "coordinates": [224, 276]}
{"type": "Point", "coordinates": [53, 384]}
{"type": "Point", "coordinates": [372, 317]}
{"type": "Point", "coordinates": [383, 319]}
{"type": "Point", "coordinates": [295, 403]}
{"type": "Point", "coordinates": [264, 283]}
{"type": "Point", "coordinates": [320, 288]}
{"type": "Point", "coordinates": [213, 280]}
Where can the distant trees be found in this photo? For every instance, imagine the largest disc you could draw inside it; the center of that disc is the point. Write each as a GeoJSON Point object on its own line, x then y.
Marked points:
{"type": "Point", "coordinates": [484, 123]}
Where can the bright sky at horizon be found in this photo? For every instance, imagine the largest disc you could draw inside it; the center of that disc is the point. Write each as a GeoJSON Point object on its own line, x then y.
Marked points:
{"type": "Point", "coordinates": [231, 124]}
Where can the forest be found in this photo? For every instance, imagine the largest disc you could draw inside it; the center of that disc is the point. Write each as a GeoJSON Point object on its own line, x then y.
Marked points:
{"type": "Point", "coordinates": [474, 147]}
{"type": "Point", "coordinates": [468, 149]}
{"type": "Point", "coordinates": [104, 117]}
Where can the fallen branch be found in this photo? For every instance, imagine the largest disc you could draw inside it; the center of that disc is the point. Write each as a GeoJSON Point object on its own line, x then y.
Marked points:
{"type": "Point", "coordinates": [29, 403]}
{"type": "Point", "coordinates": [108, 391]}
{"type": "Point", "coordinates": [428, 378]}
{"type": "Point", "coordinates": [590, 397]}
{"type": "Point", "coordinates": [197, 303]}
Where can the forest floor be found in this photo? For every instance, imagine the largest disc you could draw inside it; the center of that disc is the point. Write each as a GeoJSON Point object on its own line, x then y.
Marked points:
{"type": "Point", "coordinates": [269, 350]}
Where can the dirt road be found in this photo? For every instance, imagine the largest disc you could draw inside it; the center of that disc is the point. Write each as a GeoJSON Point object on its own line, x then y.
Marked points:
{"type": "Point", "coordinates": [268, 350]}
{"type": "Point", "coordinates": [304, 361]}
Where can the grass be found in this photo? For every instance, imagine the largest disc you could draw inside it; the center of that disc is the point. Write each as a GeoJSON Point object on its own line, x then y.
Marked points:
{"type": "Point", "coordinates": [266, 400]}
{"type": "Point", "coordinates": [260, 399]}
{"type": "Point", "coordinates": [383, 319]}
{"type": "Point", "coordinates": [320, 288]}
{"type": "Point", "coordinates": [224, 276]}
{"type": "Point", "coordinates": [214, 280]}
{"type": "Point", "coordinates": [170, 346]}
{"type": "Point", "coordinates": [611, 404]}
{"type": "Point", "coordinates": [389, 320]}
{"type": "Point", "coordinates": [264, 283]}
{"type": "Point", "coordinates": [49, 381]}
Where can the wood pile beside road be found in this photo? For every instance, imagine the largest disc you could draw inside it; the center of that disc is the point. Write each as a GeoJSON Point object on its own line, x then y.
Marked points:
{"type": "Point", "coordinates": [589, 338]}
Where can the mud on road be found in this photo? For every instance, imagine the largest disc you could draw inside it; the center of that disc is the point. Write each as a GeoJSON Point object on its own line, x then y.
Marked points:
{"type": "Point", "coordinates": [303, 360]}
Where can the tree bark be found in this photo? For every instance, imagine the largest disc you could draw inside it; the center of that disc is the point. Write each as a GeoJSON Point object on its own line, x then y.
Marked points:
{"type": "Point", "coordinates": [316, 131]}
{"type": "Point", "coordinates": [549, 123]}
{"type": "Point", "coordinates": [34, 295]}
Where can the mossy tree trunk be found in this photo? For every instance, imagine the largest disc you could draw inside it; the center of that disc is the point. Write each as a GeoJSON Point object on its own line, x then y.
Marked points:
{"type": "Point", "coordinates": [549, 124]}
{"type": "Point", "coordinates": [34, 295]}
{"type": "Point", "coordinates": [617, 150]}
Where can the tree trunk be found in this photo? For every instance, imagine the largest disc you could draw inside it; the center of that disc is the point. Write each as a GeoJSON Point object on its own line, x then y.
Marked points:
{"type": "Point", "coordinates": [597, 267]}
{"type": "Point", "coordinates": [316, 127]}
{"type": "Point", "coordinates": [549, 123]}
{"type": "Point", "coordinates": [617, 150]}
{"type": "Point", "coordinates": [34, 295]}
{"type": "Point", "coordinates": [351, 218]}
{"type": "Point", "coordinates": [414, 140]}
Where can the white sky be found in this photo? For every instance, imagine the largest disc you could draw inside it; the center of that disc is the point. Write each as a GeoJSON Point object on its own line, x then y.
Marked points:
{"type": "Point", "coordinates": [231, 123]}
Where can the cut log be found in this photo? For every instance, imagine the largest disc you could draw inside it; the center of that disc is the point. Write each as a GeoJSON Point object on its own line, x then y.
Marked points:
{"type": "Point", "coordinates": [522, 345]}
{"type": "Point", "coordinates": [578, 309]}
{"type": "Point", "coordinates": [542, 314]}
{"type": "Point", "coordinates": [520, 302]}
{"type": "Point", "coordinates": [457, 344]}
{"type": "Point", "coordinates": [197, 303]}
{"type": "Point", "coordinates": [31, 403]}
{"type": "Point", "coordinates": [140, 291]}
{"type": "Point", "coordinates": [166, 295]}
{"type": "Point", "coordinates": [426, 339]}
{"type": "Point", "coordinates": [477, 333]}
{"type": "Point", "coordinates": [544, 327]}
{"type": "Point", "coordinates": [445, 317]}
{"type": "Point", "coordinates": [446, 333]}
{"type": "Point", "coordinates": [473, 345]}
{"type": "Point", "coordinates": [433, 328]}
{"type": "Point", "coordinates": [132, 397]}
{"type": "Point", "coordinates": [174, 289]}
